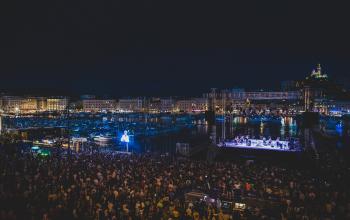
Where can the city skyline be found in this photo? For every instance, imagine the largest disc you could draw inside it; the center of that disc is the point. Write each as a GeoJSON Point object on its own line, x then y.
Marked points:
{"type": "Point", "coordinates": [174, 110]}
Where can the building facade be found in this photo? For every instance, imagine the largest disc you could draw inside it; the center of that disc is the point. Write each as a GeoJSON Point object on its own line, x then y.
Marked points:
{"type": "Point", "coordinates": [11, 104]}
{"type": "Point", "coordinates": [17, 104]}
{"type": "Point", "coordinates": [241, 94]}
{"type": "Point", "coordinates": [131, 105]}
{"type": "Point", "coordinates": [274, 95]}
{"type": "Point", "coordinates": [99, 105]}
{"type": "Point", "coordinates": [192, 105]}
{"type": "Point", "coordinates": [57, 104]}
{"type": "Point", "coordinates": [167, 105]}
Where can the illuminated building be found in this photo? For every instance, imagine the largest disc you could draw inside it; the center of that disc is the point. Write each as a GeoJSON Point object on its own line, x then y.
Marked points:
{"type": "Point", "coordinates": [11, 104]}
{"type": "Point", "coordinates": [241, 94]}
{"type": "Point", "coordinates": [16, 104]}
{"type": "Point", "coordinates": [342, 106]}
{"type": "Point", "coordinates": [184, 105]}
{"type": "Point", "coordinates": [57, 104]}
{"type": "Point", "coordinates": [321, 105]}
{"type": "Point", "coordinates": [41, 104]}
{"type": "Point", "coordinates": [167, 105]}
{"type": "Point", "coordinates": [317, 74]}
{"type": "Point", "coordinates": [314, 88]}
{"type": "Point", "coordinates": [192, 105]}
{"type": "Point", "coordinates": [307, 98]}
{"type": "Point", "coordinates": [99, 105]}
{"type": "Point", "coordinates": [153, 105]}
{"type": "Point", "coordinates": [156, 105]}
{"type": "Point", "coordinates": [274, 95]}
{"type": "Point", "coordinates": [240, 101]}
{"type": "Point", "coordinates": [29, 105]}
{"type": "Point", "coordinates": [132, 104]}
{"type": "Point", "coordinates": [331, 107]}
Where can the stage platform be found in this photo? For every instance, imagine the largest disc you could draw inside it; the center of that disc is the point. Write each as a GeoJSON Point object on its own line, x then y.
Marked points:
{"type": "Point", "coordinates": [257, 144]}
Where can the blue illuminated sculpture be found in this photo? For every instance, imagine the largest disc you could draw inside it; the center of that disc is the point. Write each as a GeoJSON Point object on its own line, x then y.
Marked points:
{"type": "Point", "coordinates": [125, 139]}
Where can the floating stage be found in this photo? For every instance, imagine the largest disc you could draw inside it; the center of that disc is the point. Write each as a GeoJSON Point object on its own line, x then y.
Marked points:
{"type": "Point", "coordinates": [243, 147]}
{"type": "Point", "coordinates": [258, 144]}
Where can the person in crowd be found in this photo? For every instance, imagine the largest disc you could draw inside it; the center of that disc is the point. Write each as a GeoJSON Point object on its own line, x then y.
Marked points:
{"type": "Point", "coordinates": [106, 185]}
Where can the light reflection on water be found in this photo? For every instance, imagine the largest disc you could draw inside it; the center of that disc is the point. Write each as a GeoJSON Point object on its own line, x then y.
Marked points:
{"type": "Point", "coordinates": [163, 132]}
{"type": "Point", "coordinates": [286, 127]}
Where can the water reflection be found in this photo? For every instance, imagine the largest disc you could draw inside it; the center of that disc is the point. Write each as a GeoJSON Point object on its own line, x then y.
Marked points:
{"type": "Point", "coordinates": [339, 128]}
{"type": "Point", "coordinates": [162, 132]}
{"type": "Point", "coordinates": [282, 127]}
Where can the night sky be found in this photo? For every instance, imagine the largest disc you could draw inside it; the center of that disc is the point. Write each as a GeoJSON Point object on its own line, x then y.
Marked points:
{"type": "Point", "coordinates": [147, 48]}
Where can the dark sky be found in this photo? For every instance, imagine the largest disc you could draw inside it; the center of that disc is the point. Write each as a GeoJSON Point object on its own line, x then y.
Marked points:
{"type": "Point", "coordinates": [169, 48]}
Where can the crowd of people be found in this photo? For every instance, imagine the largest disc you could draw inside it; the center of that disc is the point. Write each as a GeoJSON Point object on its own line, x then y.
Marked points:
{"type": "Point", "coordinates": [106, 185]}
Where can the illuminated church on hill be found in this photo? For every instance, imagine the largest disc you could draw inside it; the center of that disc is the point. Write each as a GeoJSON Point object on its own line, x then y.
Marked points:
{"type": "Point", "coordinates": [317, 74]}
